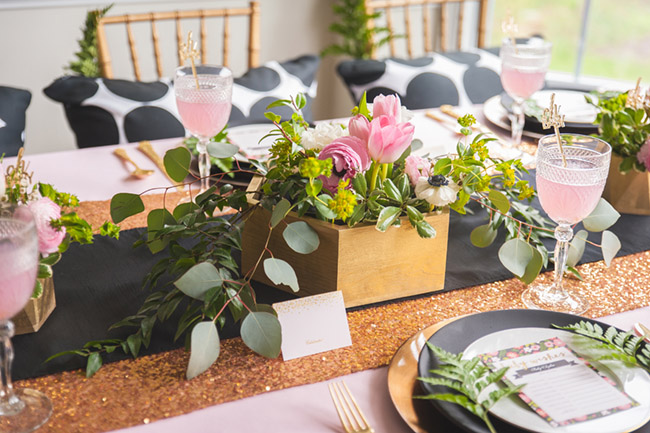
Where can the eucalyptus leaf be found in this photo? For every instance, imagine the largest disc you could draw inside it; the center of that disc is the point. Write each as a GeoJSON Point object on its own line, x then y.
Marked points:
{"type": "Point", "coordinates": [281, 272]}
{"type": "Point", "coordinates": [601, 218]}
{"type": "Point", "coordinates": [610, 245]}
{"type": "Point", "coordinates": [483, 236]}
{"type": "Point", "coordinates": [262, 332]}
{"type": "Point", "coordinates": [387, 217]}
{"type": "Point", "coordinates": [222, 150]}
{"type": "Point", "coordinates": [200, 278]}
{"type": "Point", "coordinates": [93, 364]}
{"type": "Point", "coordinates": [301, 237]}
{"type": "Point", "coordinates": [157, 220]}
{"type": "Point", "coordinates": [321, 207]}
{"type": "Point", "coordinates": [533, 268]}
{"type": "Point", "coordinates": [204, 348]}
{"type": "Point", "coordinates": [280, 211]}
{"type": "Point", "coordinates": [499, 200]}
{"type": "Point", "coordinates": [177, 163]}
{"type": "Point", "coordinates": [515, 255]}
{"type": "Point", "coordinates": [576, 248]}
{"type": "Point", "coordinates": [124, 205]}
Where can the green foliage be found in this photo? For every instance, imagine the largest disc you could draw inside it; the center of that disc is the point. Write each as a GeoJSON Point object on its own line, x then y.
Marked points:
{"type": "Point", "coordinates": [618, 345]}
{"type": "Point", "coordinates": [626, 129]}
{"type": "Point", "coordinates": [87, 63]}
{"type": "Point", "coordinates": [468, 378]}
{"type": "Point", "coordinates": [359, 40]}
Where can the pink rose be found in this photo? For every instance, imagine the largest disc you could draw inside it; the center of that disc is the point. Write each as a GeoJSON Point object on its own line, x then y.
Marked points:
{"type": "Point", "coordinates": [415, 166]}
{"type": "Point", "coordinates": [44, 211]}
{"type": "Point", "coordinates": [389, 106]}
{"type": "Point", "coordinates": [359, 127]}
{"type": "Point", "coordinates": [349, 157]}
{"type": "Point", "coordinates": [388, 139]}
{"type": "Point", "coordinates": [643, 155]}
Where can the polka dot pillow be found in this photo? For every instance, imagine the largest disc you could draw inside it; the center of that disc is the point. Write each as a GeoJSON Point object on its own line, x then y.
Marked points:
{"type": "Point", "coordinates": [13, 105]}
{"type": "Point", "coordinates": [457, 78]}
{"type": "Point", "coordinates": [109, 111]}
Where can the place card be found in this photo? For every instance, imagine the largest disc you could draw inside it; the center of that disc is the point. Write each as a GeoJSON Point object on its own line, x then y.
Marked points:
{"type": "Point", "coordinates": [560, 386]}
{"type": "Point", "coordinates": [313, 324]}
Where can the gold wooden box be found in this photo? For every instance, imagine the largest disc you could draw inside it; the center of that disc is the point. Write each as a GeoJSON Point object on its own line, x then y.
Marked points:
{"type": "Point", "coordinates": [628, 193]}
{"type": "Point", "coordinates": [36, 312]}
{"type": "Point", "coordinates": [366, 265]}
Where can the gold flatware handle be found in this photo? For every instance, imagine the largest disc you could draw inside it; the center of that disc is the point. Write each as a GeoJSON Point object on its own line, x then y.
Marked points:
{"type": "Point", "coordinates": [146, 148]}
{"type": "Point", "coordinates": [434, 116]}
{"type": "Point", "coordinates": [449, 111]}
{"type": "Point", "coordinates": [138, 172]}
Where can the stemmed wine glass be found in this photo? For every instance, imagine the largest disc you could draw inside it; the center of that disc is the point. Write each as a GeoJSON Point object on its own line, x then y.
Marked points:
{"type": "Point", "coordinates": [204, 102]}
{"type": "Point", "coordinates": [568, 193]}
{"type": "Point", "coordinates": [21, 410]}
{"type": "Point", "coordinates": [523, 68]}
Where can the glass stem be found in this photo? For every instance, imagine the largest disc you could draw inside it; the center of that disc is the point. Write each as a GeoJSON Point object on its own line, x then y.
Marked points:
{"type": "Point", "coordinates": [517, 121]}
{"type": "Point", "coordinates": [9, 402]}
{"type": "Point", "coordinates": [563, 234]}
{"type": "Point", "coordinates": [204, 164]}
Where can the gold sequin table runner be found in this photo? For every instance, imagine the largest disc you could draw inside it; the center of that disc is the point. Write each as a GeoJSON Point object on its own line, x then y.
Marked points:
{"type": "Point", "coordinates": [153, 387]}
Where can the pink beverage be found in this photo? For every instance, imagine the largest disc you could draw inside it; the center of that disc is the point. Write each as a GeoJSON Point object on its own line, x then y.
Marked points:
{"type": "Point", "coordinates": [521, 83]}
{"type": "Point", "coordinates": [18, 266]}
{"type": "Point", "coordinates": [203, 119]}
{"type": "Point", "coordinates": [568, 202]}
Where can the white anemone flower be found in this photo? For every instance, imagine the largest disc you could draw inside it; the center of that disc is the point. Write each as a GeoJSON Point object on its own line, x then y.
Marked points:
{"type": "Point", "coordinates": [436, 190]}
{"type": "Point", "coordinates": [322, 135]}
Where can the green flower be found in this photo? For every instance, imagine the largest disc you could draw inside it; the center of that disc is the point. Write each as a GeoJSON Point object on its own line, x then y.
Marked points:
{"type": "Point", "coordinates": [344, 201]}
{"type": "Point", "coordinates": [314, 167]}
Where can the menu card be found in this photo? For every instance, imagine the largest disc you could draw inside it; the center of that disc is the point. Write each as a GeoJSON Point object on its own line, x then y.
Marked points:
{"type": "Point", "coordinates": [560, 386]}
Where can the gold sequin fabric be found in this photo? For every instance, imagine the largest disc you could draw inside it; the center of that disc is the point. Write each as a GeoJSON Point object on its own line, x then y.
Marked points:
{"type": "Point", "coordinates": [154, 387]}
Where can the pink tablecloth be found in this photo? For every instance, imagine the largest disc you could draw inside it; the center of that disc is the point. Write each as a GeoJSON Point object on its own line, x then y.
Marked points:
{"type": "Point", "coordinates": [308, 408]}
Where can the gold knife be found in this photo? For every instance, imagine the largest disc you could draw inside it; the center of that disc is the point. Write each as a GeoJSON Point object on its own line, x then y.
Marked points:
{"type": "Point", "coordinates": [145, 147]}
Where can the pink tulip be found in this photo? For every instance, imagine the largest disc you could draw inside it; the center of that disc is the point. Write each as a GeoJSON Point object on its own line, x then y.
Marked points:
{"type": "Point", "coordinates": [359, 127]}
{"type": "Point", "coordinates": [349, 157]}
{"type": "Point", "coordinates": [45, 210]}
{"type": "Point", "coordinates": [415, 167]}
{"type": "Point", "coordinates": [389, 106]}
{"type": "Point", "coordinates": [388, 139]}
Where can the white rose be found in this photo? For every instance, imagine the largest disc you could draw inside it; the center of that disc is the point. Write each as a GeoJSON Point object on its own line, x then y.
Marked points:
{"type": "Point", "coordinates": [405, 114]}
{"type": "Point", "coordinates": [440, 195]}
{"type": "Point", "coordinates": [321, 136]}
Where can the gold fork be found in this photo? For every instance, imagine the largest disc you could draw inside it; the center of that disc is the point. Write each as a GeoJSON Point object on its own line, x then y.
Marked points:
{"type": "Point", "coordinates": [348, 410]}
{"type": "Point", "coordinates": [138, 172]}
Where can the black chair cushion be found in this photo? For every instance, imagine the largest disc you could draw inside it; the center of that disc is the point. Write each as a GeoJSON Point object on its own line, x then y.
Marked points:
{"type": "Point", "coordinates": [110, 111]}
{"type": "Point", "coordinates": [456, 78]}
{"type": "Point", "coordinates": [13, 105]}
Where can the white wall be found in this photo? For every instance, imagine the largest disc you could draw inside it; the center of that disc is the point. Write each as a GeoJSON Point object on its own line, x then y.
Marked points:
{"type": "Point", "coordinates": [36, 43]}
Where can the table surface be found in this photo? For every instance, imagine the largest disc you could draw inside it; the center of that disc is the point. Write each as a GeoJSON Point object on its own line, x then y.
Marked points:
{"type": "Point", "coordinates": [95, 174]}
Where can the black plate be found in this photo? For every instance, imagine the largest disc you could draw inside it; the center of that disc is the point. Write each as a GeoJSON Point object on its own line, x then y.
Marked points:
{"type": "Point", "coordinates": [459, 334]}
{"type": "Point", "coordinates": [532, 124]}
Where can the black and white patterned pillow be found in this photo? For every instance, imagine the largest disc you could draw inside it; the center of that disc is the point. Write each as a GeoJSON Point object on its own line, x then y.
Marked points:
{"type": "Point", "coordinates": [109, 111]}
{"type": "Point", "coordinates": [456, 78]}
{"type": "Point", "coordinates": [13, 105]}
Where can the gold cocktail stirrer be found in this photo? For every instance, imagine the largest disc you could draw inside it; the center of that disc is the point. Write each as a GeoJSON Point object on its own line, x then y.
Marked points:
{"type": "Point", "coordinates": [509, 28]}
{"type": "Point", "coordinates": [551, 117]}
{"type": "Point", "coordinates": [189, 51]}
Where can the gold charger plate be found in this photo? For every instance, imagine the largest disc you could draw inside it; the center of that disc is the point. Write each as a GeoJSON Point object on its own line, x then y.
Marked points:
{"type": "Point", "coordinates": [402, 385]}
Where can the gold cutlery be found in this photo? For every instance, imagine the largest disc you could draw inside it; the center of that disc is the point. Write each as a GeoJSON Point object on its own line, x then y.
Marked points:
{"type": "Point", "coordinates": [146, 148]}
{"type": "Point", "coordinates": [642, 331]}
{"type": "Point", "coordinates": [434, 116]}
{"type": "Point", "coordinates": [348, 410]}
{"type": "Point", "coordinates": [138, 172]}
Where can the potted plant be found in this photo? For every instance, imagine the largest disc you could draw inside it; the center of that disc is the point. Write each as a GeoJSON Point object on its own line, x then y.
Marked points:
{"type": "Point", "coordinates": [57, 225]}
{"type": "Point", "coordinates": [624, 122]}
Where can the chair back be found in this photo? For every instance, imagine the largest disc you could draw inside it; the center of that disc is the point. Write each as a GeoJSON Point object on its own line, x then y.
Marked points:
{"type": "Point", "coordinates": [252, 12]}
{"type": "Point", "coordinates": [438, 19]}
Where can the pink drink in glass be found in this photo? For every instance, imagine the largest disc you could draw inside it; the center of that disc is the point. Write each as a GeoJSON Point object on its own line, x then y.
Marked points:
{"type": "Point", "coordinates": [566, 203]}
{"type": "Point", "coordinates": [203, 119]}
{"type": "Point", "coordinates": [521, 83]}
{"type": "Point", "coordinates": [18, 266]}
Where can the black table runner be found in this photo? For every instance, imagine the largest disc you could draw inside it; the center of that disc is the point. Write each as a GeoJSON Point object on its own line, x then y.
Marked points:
{"type": "Point", "coordinates": [97, 285]}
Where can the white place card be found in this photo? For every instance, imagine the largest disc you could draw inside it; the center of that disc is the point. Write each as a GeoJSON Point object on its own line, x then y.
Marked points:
{"type": "Point", "coordinates": [313, 324]}
{"type": "Point", "coordinates": [560, 386]}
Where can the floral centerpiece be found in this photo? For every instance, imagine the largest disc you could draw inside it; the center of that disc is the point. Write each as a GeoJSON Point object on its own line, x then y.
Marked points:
{"type": "Point", "coordinates": [57, 224]}
{"type": "Point", "coordinates": [362, 173]}
{"type": "Point", "coordinates": [624, 122]}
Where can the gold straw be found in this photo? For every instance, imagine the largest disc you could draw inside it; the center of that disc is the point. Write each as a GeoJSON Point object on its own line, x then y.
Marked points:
{"type": "Point", "coordinates": [551, 117]}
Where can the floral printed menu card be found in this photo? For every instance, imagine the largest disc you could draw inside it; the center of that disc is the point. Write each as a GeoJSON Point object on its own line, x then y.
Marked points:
{"type": "Point", "coordinates": [560, 386]}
